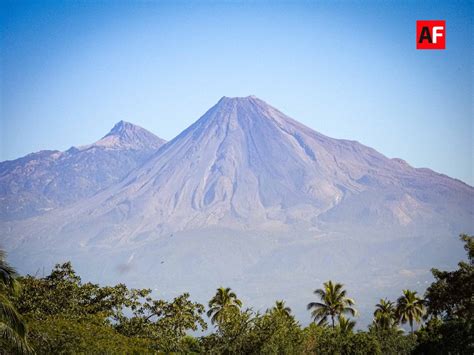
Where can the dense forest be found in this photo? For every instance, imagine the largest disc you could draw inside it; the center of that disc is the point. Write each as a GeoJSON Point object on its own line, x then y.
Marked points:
{"type": "Point", "coordinates": [60, 314]}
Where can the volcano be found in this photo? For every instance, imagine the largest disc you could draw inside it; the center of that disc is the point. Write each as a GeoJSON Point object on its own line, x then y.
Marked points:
{"type": "Point", "coordinates": [249, 198]}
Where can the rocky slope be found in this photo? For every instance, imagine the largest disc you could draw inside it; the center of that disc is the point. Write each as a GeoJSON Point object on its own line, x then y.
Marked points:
{"type": "Point", "coordinates": [46, 180]}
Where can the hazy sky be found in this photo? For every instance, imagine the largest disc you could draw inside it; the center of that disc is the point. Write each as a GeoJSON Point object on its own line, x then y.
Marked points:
{"type": "Point", "coordinates": [348, 69]}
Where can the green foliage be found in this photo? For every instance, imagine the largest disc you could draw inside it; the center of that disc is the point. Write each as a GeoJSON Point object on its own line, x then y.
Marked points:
{"type": "Point", "coordinates": [325, 340]}
{"type": "Point", "coordinates": [281, 308]}
{"type": "Point", "coordinates": [385, 328]}
{"type": "Point", "coordinates": [63, 293]}
{"type": "Point", "coordinates": [410, 308]}
{"type": "Point", "coordinates": [88, 335]}
{"type": "Point", "coordinates": [277, 332]}
{"type": "Point", "coordinates": [224, 303]}
{"type": "Point", "coordinates": [446, 337]}
{"type": "Point", "coordinates": [60, 306]}
{"type": "Point", "coordinates": [345, 325]}
{"type": "Point", "coordinates": [166, 323]}
{"type": "Point", "coordinates": [245, 332]}
{"type": "Point", "coordinates": [450, 295]}
{"type": "Point", "coordinates": [468, 246]}
{"type": "Point", "coordinates": [190, 345]}
{"type": "Point", "coordinates": [450, 304]}
{"type": "Point", "coordinates": [66, 316]}
{"type": "Point", "coordinates": [333, 303]}
{"type": "Point", "coordinates": [393, 341]}
{"type": "Point", "coordinates": [385, 315]}
{"type": "Point", "coordinates": [232, 334]}
{"type": "Point", "coordinates": [13, 329]}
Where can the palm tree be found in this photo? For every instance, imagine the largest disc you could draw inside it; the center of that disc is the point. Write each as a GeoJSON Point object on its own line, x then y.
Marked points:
{"type": "Point", "coordinates": [410, 308]}
{"type": "Point", "coordinates": [385, 315]}
{"type": "Point", "coordinates": [281, 308]}
{"type": "Point", "coordinates": [12, 327]}
{"type": "Point", "coordinates": [224, 301]}
{"type": "Point", "coordinates": [333, 303]}
{"type": "Point", "coordinates": [346, 325]}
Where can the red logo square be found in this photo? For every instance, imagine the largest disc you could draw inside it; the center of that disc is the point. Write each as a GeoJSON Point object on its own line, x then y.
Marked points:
{"type": "Point", "coordinates": [431, 34]}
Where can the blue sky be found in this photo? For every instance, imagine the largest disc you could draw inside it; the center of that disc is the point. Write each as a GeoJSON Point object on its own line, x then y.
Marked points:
{"type": "Point", "coordinates": [349, 69]}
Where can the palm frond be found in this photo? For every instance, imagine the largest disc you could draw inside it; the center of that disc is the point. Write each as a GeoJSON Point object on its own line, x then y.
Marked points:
{"type": "Point", "coordinates": [19, 344]}
{"type": "Point", "coordinates": [10, 317]}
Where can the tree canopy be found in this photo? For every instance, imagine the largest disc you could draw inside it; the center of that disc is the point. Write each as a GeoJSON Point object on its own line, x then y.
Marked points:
{"type": "Point", "coordinates": [333, 303]}
{"type": "Point", "coordinates": [59, 313]}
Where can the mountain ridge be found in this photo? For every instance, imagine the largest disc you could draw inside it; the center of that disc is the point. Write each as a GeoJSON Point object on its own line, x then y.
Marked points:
{"type": "Point", "coordinates": [33, 184]}
{"type": "Point", "coordinates": [125, 135]}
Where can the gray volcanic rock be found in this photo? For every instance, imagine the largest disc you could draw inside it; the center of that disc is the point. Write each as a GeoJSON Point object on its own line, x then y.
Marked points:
{"type": "Point", "coordinates": [245, 165]}
{"type": "Point", "coordinates": [249, 198]}
{"type": "Point", "coordinates": [43, 181]}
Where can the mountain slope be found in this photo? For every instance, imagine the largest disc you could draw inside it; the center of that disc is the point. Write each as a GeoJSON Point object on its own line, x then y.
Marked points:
{"type": "Point", "coordinates": [46, 180]}
{"type": "Point", "coordinates": [246, 165]}
{"type": "Point", "coordinates": [250, 198]}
